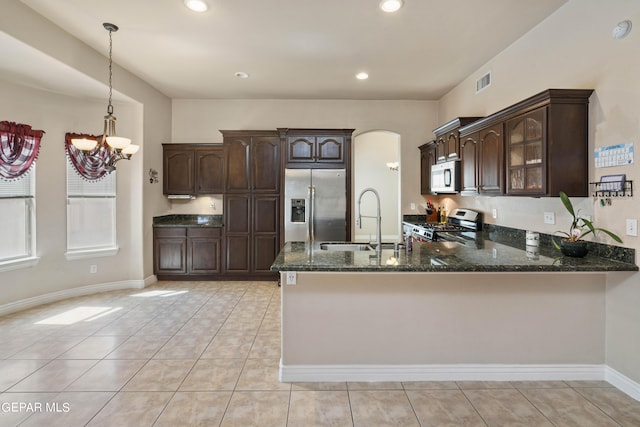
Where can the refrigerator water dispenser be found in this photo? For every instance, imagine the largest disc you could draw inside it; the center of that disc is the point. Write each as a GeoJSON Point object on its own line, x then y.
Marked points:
{"type": "Point", "coordinates": [297, 210]}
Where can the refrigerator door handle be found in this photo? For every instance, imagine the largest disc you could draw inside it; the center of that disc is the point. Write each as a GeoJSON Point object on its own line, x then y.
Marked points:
{"type": "Point", "coordinates": [312, 213]}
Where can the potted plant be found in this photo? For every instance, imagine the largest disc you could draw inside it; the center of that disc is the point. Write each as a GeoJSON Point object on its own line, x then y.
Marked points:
{"type": "Point", "coordinates": [572, 244]}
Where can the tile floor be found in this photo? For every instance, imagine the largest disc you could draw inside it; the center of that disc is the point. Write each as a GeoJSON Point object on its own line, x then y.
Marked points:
{"type": "Point", "coordinates": [206, 354]}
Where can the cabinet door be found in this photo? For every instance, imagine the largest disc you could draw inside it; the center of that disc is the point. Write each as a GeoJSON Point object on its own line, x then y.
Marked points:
{"type": "Point", "coordinates": [490, 157]}
{"type": "Point", "coordinates": [237, 212]}
{"type": "Point", "coordinates": [330, 149]}
{"type": "Point", "coordinates": [203, 250]}
{"type": "Point", "coordinates": [265, 164]}
{"type": "Point", "coordinates": [469, 163]}
{"type": "Point", "coordinates": [526, 154]}
{"type": "Point", "coordinates": [266, 231]}
{"type": "Point", "coordinates": [170, 250]}
{"type": "Point", "coordinates": [178, 172]}
{"type": "Point", "coordinates": [209, 171]}
{"type": "Point", "coordinates": [452, 145]}
{"type": "Point", "coordinates": [237, 155]}
{"type": "Point", "coordinates": [300, 149]}
{"type": "Point", "coordinates": [441, 149]}
{"type": "Point", "coordinates": [427, 159]}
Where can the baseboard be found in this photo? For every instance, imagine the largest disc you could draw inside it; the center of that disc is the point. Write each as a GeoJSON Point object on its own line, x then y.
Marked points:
{"type": "Point", "coordinates": [623, 383]}
{"type": "Point", "coordinates": [458, 372]}
{"type": "Point", "coordinates": [148, 281]}
{"type": "Point", "coordinates": [24, 304]}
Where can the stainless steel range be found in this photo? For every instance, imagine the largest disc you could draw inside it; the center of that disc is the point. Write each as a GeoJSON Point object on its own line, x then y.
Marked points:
{"type": "Point", "coordinates": [461, 226]}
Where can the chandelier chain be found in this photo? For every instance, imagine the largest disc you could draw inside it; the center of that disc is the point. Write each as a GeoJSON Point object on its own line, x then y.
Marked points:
{"type": "Point", "coordinates": [110, 107]}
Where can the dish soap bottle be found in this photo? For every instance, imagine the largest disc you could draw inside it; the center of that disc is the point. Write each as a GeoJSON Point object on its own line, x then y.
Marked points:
{"type": "Point", "coordinates": [443, 216]}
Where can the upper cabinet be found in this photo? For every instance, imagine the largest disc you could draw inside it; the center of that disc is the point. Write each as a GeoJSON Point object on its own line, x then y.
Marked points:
{"type": "Point", "coordinates": [448, 138]}
{"type": "Point", "coordinates": [316, 148]}
{"type": "Point", "coordinates": [190, 169]}
{"type": "Point", "coordinates": [427, 159]}
{"type": "Point", "coordinates": [252, 161]}
{"type": "Point", "coordinates": [537, 147]}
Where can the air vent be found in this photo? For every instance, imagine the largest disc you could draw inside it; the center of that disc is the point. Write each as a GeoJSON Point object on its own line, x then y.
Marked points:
{"type": "Point", "coordinates": [483, 82]}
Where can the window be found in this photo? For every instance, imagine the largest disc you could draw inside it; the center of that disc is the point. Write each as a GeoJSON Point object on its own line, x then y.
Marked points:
{"type": "Point", "coordinates": [91, 215]}
{"type": "Point", "coordinates": [17, 210]}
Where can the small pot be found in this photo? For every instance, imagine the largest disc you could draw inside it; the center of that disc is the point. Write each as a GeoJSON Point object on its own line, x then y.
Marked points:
{"type": "Point", "coordinates": [576, 249]}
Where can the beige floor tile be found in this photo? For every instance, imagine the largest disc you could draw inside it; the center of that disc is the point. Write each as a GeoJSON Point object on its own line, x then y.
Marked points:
{"type": "Point", "coordinates": [139, 347]}
{"type": "Point", "coordinates": [160, 375]}
{"type": "Point", "coordinates": [588, 384]}
{"type": "Point", "coordinates": [319, 386]}
{"type": "Point", "coordinates": [107, 375]}
{"type": "Point", "coordinates": [618, 405]}
{"type": "Point", "coordinates": [14, 371]}
{"type": "Point", "coordinates": [55, 376]}
{"type": "Point", "coordinates": [48, 347]}
{"type": "Point", "coordinates": [122, 327]}
{"type": "Point", "coordinates": [184, 347]}
{"type": "Point", "coordinates": [482, 385]}
{"type": "Point", "coordinates": [261, 374]}
{"type": "Point", "coordinates": [266, 346]}
{"type": "Point", "coordinates": [565, 407]}
{"type": "Point", "coordinates": [430, 385]}
{"type": "Point", "coordinates": [194, 409]}
{"type": "Point", "coordinates": [13, 343]}
{"type": "Point", "coordinates": [257, 408]}
{"type": "Point", "coordinates": [444, 408]}
{"type": "Point", "coordinates": [70, 409]}
{"type": "Point", "coordinates": [374, 385]}
{"type": "Point", "coordinates": [539, 384]}
{"type": "Point", "coordinates": [319, 408]}
{"type": "Point", "coordinates": [132, 409]}
{"type": "Point", "coordinates": [94, 347]}
{"type": "Point", "coordinates": [381, 408]}
{"type": "Point", "coordinates": [213, 374]}
{"type": "Point", "coordinates": [17, 407]}
{"type": "Point", "coordinates": [232, 345]}
{"type": "Point", "coordinates": [506, 407]}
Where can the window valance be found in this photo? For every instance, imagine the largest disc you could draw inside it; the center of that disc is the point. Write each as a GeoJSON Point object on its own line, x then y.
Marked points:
{"type": "Point", "coordinates": [19, 147]}
{"type": "Point", "coordinates": [89, 167]}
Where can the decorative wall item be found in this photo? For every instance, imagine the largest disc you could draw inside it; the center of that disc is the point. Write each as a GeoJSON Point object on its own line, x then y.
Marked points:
{"type": "Point", "coordinates": [89, 167]}
{"type": "Point", "coordinates": [153, 176]}
{"type": "Point", "coordinates": [613, 155]}
{"type": "Point", "coordinates": [19, 147]}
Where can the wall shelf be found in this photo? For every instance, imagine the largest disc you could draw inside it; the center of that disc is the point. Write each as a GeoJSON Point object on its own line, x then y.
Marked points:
{"type": "Point", "coordinates": [612, 189]}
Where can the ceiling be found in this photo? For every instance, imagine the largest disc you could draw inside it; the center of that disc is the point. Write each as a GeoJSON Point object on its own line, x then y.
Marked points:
{"type": "Point", "coordinates": [300, 49]}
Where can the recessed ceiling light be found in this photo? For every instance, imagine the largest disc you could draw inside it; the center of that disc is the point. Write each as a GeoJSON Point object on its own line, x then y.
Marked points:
{"type": "Point", "coordinates": [622, 30]}
{"type": "Point", "coordinates": [391, 5]}
{"type": "Point", "coordinates": [362, 76]}
{"type": "Point", "coordinates": [242, 75]}
{"type": "Point", "coordinates": [196, 5]}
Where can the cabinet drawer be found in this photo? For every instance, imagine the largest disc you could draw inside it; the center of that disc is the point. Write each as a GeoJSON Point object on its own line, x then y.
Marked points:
{"type": "Point", "coordinates": [214, 232]}
{"type": "Point", "coordinates": [170, 232]}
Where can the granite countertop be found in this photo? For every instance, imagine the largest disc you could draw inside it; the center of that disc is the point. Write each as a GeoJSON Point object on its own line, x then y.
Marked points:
{"type": "Point", "coordinates": [482, 255]}
{"type": "Point", "coordinates": [188, 221]}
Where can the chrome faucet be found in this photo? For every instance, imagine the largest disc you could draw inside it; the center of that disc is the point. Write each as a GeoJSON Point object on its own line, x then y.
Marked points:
{"type": "Point", "coordinates": [377, 217]}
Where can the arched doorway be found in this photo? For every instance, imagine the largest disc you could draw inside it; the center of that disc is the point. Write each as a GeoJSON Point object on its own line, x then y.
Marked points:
{"type": "Point", "coordinates": [372, 152]}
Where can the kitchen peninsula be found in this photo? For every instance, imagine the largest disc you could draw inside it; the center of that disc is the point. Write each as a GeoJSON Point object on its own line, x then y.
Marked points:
{"type": "Point", "coordinates": [442, 311]}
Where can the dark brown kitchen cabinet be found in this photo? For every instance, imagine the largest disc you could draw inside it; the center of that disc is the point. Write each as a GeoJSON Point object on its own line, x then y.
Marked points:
{"type": "Point", "coordinates": [251, 203]}
{"type": "Point", "coordinates": [252, 161]}
{"type": "Point", "coordinates": [316, 148]}
{"type": "Point", "coordinates": [469, 164]}
{"type": "Point", "coordinates": [181, 252]}
{"type": "Point", "coordinates": [192, 169]}
{"type": "Point", "coordinates": [491, 160]}
{"type": "Point", "coordinates": [427, 159]}
{"type": "Point", "coordinates": [447, 140]}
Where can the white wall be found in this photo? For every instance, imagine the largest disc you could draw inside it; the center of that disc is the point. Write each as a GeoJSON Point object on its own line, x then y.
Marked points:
{"type": "Point", "coordinates": [573, 48]}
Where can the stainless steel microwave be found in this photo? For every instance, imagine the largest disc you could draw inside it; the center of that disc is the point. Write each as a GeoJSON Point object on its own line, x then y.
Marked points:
{"type": "Point", "coordinates": [445, 177]}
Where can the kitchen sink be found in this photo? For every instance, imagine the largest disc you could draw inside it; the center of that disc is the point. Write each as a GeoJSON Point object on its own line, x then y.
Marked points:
{"type": "Point", "coordinates": [345, 247]}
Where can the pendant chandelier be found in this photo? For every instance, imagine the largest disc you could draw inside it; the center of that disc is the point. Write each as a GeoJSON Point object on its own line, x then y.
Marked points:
{"type": "Point", "coordinates": [118, 148]}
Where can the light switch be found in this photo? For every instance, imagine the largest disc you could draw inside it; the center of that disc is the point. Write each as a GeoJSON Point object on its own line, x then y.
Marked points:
{"type": "Point", "coordinates": [632, 227]}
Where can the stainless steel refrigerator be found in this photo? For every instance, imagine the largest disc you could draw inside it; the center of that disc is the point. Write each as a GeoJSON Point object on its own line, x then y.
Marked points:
{"type": "Point", "coordinates": [315, 205]}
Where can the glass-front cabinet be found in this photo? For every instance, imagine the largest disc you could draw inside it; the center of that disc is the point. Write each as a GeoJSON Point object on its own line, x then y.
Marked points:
{"type": "Point", "coordinates": [526, 155]}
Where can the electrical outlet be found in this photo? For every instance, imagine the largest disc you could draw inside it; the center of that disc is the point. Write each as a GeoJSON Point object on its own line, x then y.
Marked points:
{"type": "Point", "coordinates": [93, 268]}
{"type": "Point", "coordinates": [494, 213]}
{"type": "Point", "coordinates": [212, 205]}
{"type": "Point", "coordinates": [549, 217]}
{"type": "Point", "coordinates": [413, 206]}
{"type": "Point", "coordinates": [291, 277]}
{"type": "Point", "coordinates": [632, 227]}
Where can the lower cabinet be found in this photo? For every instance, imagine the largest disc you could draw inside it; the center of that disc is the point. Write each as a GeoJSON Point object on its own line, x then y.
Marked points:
{"type": "Point", "coordinates": [186, 251]}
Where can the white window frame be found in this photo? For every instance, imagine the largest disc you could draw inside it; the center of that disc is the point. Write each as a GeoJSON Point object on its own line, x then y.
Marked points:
{"type": "Point", "coordinates": [82, 216]}
{"type": "Point", "coordinates": [28, 194]}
